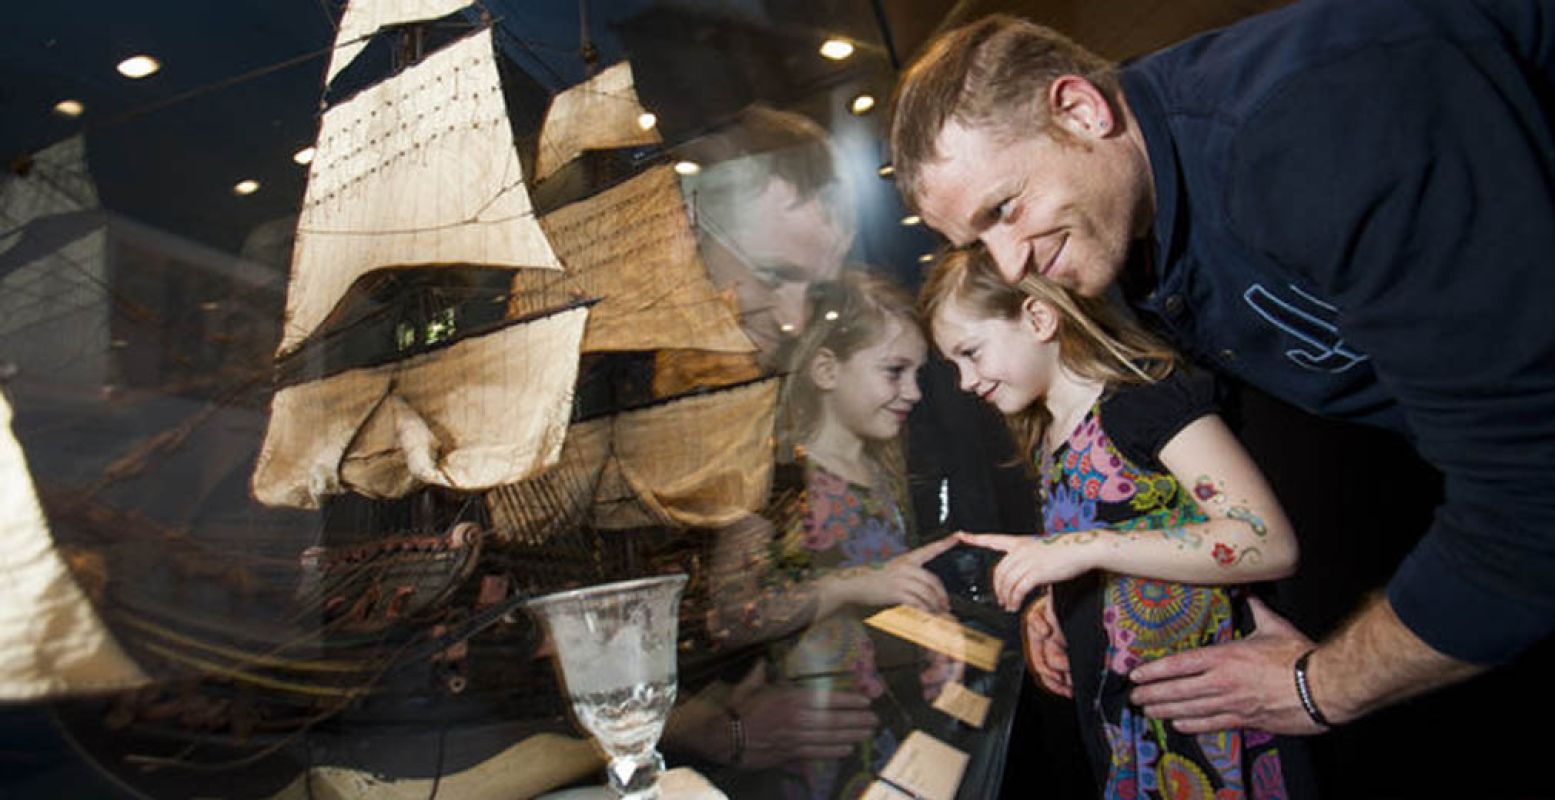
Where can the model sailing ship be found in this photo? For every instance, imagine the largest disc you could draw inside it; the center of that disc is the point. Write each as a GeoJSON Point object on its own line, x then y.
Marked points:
{"type": "Point", "coordinates": [471, 384]}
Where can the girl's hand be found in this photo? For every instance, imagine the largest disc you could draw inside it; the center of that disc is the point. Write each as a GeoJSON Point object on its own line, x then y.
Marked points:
{"type": "Point", "coordinates": [902, 580]}
{"type": "Point", "coordinates": [1029, 562]}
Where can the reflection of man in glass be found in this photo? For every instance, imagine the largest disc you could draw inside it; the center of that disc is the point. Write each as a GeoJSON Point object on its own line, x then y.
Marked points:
{"type": "Point", "coordinates": [771, 219]}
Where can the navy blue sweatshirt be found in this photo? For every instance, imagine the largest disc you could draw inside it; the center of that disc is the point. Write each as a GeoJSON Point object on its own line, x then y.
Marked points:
{"type": "Point", "coordinates": [1356, 213]}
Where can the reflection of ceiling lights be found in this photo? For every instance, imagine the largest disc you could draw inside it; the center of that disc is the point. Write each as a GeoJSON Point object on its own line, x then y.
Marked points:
{"type": "Point", "coordinates": [304, 156]}
{"type": "Point", "coordinates": [831, 316]}
{"type": "Point", "coordinates": [836, 49]}
{"type": "Point", "coordinates": [787, 327]}
{"type": "Point", "coordinates": [139, 66]}
{"type": "Point", "coordinates": [912, 219]}
{"type": "Point", "coordinates": [886, 170]}
{"type": "Point", "coordinates": [647, 120]}
{"type": "Point", "coordinates": [245, 187]}
{"type": "Point", "coordinates": [926, 258]}
{"type": "Point", "coordinates": [210, 305]}
{"type": "Point", "coordinates": [69, 108]}
{"type": "Point", "coordinates": [687, 167]}
{"type": "Point", "coordinates": [862, 104]}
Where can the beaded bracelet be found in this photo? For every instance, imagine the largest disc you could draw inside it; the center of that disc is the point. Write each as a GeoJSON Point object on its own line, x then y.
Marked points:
{"type": "Point", "coordinates": [736, 737]}
{"type": "Point", "coordinates": [1304, 691]}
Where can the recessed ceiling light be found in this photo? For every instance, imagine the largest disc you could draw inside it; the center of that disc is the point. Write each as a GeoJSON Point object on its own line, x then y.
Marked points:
{"type": "Point", "coordinates": [912, 219]}
{"type": "Point", "coordinates": [831, 316]}
{"type": "Point", "coordinates": [886, 170]}
{"type": "Point", "coordinates": [245, 187]}
{"type": "Point", "coordinates": [139, 66]}
{"type": "Point", "coordinates": [862, 104]}
{"type": "Point", "coordinates": [647, 120]}
{"type": "Point", "coordinates": [304, 156]}
{"type": "Point", "coordinates": [836, 49]}
{"type": "Point", "coordinates": [69, 108]}
{"type": "Point", "coordinates": [925, 258]}
{"type": "Point", "coordinates": [210, 305]}
{"type": "Point", "coordinates": [687, 167]}
{"type": "Point", "coordinates": [787, 327]}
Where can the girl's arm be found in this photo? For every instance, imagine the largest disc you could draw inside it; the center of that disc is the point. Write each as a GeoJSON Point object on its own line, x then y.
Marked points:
{"type": "Point", "coordinates": [1246, 538]}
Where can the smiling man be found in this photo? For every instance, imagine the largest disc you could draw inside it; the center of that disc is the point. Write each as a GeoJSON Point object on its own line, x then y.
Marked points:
{"type": "Point", "coordinates": [1326, 202]}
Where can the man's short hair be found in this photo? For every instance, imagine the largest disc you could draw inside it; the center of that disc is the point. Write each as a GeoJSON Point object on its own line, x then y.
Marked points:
{"type": "Point", "coordinates": [992, 74]}
{"type": "Point", "coordinates": [761, 144]}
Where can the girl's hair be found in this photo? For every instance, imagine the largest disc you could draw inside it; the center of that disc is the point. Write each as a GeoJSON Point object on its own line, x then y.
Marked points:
{"type": "Point", "coordinates": [1096, 339]}
{"type": "Point", "coordinates": [843, 316]}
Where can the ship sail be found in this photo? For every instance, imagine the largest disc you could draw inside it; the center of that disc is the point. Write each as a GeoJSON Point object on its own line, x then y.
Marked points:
{"type": "Point", "coordinates": [362, 19]}
{"type": "Point", "coordinates": [602, 113]}
{"type": "Point", "coordinates": [52, 642]}
{"type": "Point", "coordinates": [417, 170]}
{"type": "Point", "coordinates": [484, 411]}
{"type": "Point", "coordinates": [632, 247]}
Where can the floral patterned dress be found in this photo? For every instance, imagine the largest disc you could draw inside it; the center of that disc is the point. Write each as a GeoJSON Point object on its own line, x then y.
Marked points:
{"type": "Point", "coordinates": [845, 525]}
{"type": "Point", "coordinates": [1106, 476]}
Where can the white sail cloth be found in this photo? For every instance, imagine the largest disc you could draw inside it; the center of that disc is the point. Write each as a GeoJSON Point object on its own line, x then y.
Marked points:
{"type": "Point", "coordinates": [631, 246]}
{"type": "Point", "coordinates": [599, 114]}
{"type": "Point", "coordinates": [700, 461]}
{"type": "Point", "coordinates": [418, 170]}
{"type": "Point", "coordinates": [363, 18]}
{"type": "Point", "coordinates": [488, 410]}
{"type": "Point", "coordinates": [52, 641]}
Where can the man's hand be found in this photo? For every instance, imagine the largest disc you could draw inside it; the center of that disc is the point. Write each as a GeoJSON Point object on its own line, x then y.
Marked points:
{"type": "Point", "coordinates": [784, 723]}
{"type": "Point", "coordinates": [1246, 683]}
{"type": "Point", "coordinates": [1047, 653]}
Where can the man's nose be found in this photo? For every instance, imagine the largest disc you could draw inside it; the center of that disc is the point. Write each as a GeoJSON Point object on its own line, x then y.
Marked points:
{"type": "Point", "coordinates": [1008, 251]}
{"type": "Point", "coordinates": [788, 308]}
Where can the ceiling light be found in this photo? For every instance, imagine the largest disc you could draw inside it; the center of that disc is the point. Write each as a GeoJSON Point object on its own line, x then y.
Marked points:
{"type": "Point", "coordinates": [831, 316]}
{"type": "Point", "coordinates": [304, 156]}
{"type": "Point", "coordinates": [139, 66]}
{"type": "Point", "coordinates": [69, 108]}
{"type": "Point", "coordinates": [787, 327]}
{"type": "Point", "coordinates": [245, 187]}
{"type": "Point", "coordinates": [862, 104]}
{"type": "Point", "coordinates": [687, 167]}
{"type": "Point", "coordinates": [647, 120]}
{"type": "Point", "coordinates": [912, 219]}
{"type": "Point", "coordinates": [926, 258]}
{"type": "Point", "coordinates": [836, 49]}
{"type": "Point", "coordinates": [210, 305]}
{"type": "Point", "coordinates": [886, 170]}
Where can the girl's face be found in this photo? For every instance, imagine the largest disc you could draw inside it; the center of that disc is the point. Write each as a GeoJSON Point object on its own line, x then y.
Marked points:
{"type": "Point", "coordinates": [1009, 363]}
{"type": "Point", "coordinates": [876, 386]}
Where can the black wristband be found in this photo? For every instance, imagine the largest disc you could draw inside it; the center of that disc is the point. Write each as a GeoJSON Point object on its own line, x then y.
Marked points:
{"type": "Point", "coordinates": [736, 737]}
{"type": "Point", "coordinates": [1304, 691]}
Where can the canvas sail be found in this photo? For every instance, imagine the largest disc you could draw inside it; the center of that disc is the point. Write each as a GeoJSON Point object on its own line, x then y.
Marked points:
{"type": "Point", "coordinates": [486, 410]}
{"type": "Point", "coordinates": [599, 114]}
{"type": "Point", "coordinates": [363, 18]}
{"type": "Point", "coordinates": [699, 461]}
{"type": "Point", "coordinates": [417, 170]}
{"type": "Point", "coordinates": [52, 641]}
{"type": "Point", "coordinates": [632, 247]}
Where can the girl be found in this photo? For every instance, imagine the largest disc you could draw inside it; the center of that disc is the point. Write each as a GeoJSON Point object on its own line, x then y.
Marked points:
{"type": "Point", "coordinates": [1152, 512]}
{"type": "Point", "coordinates": [852, 381]}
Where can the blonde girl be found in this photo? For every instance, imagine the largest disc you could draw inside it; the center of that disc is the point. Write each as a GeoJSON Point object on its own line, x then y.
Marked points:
{"type": "Point", "coordinates": [1152, 513]}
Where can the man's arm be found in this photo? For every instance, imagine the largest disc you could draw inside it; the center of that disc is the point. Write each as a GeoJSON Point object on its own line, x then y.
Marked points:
{"type": "Point", "coordinates": [1373, 661]}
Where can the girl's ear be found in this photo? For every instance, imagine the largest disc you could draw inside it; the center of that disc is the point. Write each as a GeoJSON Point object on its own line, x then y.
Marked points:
{"type": "Point", "coordinates": [823, 369]}
{"type": "Point", "coordinates": [1042, 318]}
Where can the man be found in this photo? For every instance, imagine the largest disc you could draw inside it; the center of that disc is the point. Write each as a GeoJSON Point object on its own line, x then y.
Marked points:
{"type": "Point", "coordinates": [1328, 202]}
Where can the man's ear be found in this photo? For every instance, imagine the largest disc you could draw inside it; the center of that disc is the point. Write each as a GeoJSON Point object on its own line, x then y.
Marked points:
{"type": "Point", "coordinates": [1041, 316]}
{"type": "Point", "coordinates": [823, 369]}
{"type": "Point", "coordinates": [1079, 107]}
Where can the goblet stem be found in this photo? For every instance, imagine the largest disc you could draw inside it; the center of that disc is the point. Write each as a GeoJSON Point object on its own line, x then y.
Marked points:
{"type": "Point", "coordinates": [636, 778]}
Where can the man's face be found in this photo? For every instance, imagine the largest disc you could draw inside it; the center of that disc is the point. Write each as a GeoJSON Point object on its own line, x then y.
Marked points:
{"type": "Point", "coordinates": [779, 247]}
{"type": "Point", "coordinates": [1065, 210]}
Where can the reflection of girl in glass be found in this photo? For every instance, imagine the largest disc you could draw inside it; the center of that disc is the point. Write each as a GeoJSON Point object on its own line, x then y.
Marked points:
{"type": "Point", "coordinates": [852, 381]}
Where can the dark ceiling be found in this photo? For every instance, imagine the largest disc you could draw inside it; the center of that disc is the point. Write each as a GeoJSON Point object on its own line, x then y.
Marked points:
{"type": "Point", "coordinates": [241, 82]}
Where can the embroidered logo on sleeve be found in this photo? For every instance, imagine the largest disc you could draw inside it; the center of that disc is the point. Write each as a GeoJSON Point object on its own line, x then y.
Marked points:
{"type": "Point", "coordinates": [1309, 321]}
